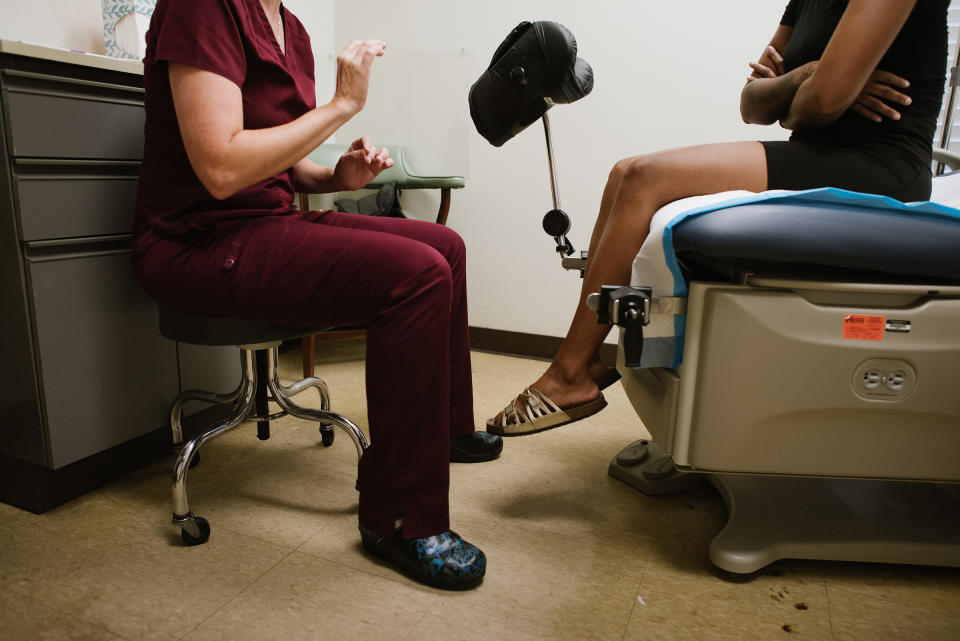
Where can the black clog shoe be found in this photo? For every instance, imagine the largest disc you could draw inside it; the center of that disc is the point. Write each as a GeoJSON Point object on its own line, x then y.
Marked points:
{"type": "Point", "coordinates": [442, 561]}
{"type": "Point", "coordinates": [475, 448]}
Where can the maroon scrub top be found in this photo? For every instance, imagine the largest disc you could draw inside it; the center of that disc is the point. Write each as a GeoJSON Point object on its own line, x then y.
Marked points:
{"type": "Point", "coordinates": [231, 38]}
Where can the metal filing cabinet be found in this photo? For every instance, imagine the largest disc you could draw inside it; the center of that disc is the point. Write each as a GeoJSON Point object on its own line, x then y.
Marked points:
{"type": "Point", "coordinates": [83, 368]}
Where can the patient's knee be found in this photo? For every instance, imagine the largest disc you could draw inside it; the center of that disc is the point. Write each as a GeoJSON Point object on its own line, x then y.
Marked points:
{"type": "Point", "coordinates": [635, 170]}
{"type": "Point", "coordinates": [638, 168]}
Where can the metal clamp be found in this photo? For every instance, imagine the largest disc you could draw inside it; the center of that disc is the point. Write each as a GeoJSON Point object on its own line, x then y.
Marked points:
{"type": "Point", "coordinates": [578, 264]}
{"type": "Point", "coordinates": [629, 308]}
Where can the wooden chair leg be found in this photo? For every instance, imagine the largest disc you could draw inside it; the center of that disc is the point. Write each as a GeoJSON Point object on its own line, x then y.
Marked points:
{"type": "Point", "coordinates": [444, 206]}
{"type": "Point", "coordinates": [307, 349]}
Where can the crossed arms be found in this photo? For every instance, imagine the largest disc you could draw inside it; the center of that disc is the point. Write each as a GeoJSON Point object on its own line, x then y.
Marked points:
{"type": "Point", "coordinates": [846, 76]}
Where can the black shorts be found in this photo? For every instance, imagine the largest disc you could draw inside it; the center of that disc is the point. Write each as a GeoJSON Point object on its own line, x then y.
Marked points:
{"type": "Point", "coordinates": [807, 165]}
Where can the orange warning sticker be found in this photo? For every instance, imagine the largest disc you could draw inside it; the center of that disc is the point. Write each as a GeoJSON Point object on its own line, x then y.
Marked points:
{"type": "Point", "coordinates": [862, 327]}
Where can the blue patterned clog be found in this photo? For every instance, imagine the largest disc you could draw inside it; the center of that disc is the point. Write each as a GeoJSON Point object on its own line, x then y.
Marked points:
{"type": "Point", "coordinates": [443, 561]}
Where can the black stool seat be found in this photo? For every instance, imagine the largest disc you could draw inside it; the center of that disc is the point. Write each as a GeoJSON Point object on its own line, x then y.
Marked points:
{"type": "Point", "coordinates": [197, 329]}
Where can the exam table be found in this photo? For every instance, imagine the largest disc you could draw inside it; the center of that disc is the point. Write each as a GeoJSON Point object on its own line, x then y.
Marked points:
{"type": "Point", "coordinates": [812, 370]}
{"type": "Point", "coordinates": [819, 385]}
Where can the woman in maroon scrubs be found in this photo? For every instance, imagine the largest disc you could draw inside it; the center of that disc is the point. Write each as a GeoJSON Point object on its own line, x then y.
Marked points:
{"type": "Point", "coordinates": [231, 117]}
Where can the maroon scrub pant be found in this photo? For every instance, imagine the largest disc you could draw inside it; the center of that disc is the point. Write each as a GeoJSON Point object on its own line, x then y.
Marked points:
{"type": "Point", "coordinates": [403, 280]}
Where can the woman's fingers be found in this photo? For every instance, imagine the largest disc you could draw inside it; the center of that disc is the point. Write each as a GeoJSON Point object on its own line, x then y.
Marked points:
{"type": "Point", "coordinates": [877, 109]}
{"type": "Point", "coordinates": [369, 50]}
{"type": "Point", "coordinates": [383, 158]}
{"type": "Point", "coordinates": [380, 160]}
{"type": "Point", "coordinates": [376, 159]}
{"type": "Point", "coordinates": [369, 151]}
{"type": "Point", "coordinates": [349, 51]}
{"type": "Point", "coordinates": [892, 95]}
{"type": "Point", "coordinates": [360, 55]}
{"type": "Point", "coordinates": [762, 71]}
{"type": "Point", "coordinates": [887, 93]}
{"type": "Point", "coordinates": [776, 60]}
{"type": "Point", "coordinates": [888, 78]}
{"type": "Point", "coordinates": [353, 71]}
{"type": "Point", "coordinates": [882, 89]}
{"type": "Point", "coordinates": [866, 113]}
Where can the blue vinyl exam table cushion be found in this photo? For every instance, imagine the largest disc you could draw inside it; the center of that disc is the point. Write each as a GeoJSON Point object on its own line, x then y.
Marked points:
{"type": "Point", "coordinates": [843, 232]}
{"type": "Point", "coordinates": [826, 228]}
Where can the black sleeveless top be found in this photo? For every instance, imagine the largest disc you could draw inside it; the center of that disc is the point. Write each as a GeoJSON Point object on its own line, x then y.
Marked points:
{"type": "Point", "coordinates": [918, 53]}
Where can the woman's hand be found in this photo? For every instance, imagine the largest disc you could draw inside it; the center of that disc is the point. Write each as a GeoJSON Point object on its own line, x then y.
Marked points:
{"type": "Point", "coordinates": [353, 72]}
{"type": "Point", "coordinates": [360, 164]}
{"type": "Point", "coordinates": [882, 86]}
{"type": "Point", "coordinates": [770, 65]}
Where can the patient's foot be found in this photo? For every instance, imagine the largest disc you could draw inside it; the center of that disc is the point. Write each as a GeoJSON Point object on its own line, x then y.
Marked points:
{"type": "Point", "coordinates": [558, 397]}
{"type": "Point", "coordinates": [570, 386]}
{"type": "Point", "coordinates": [602, 375]}
{"type": "Point", "coordinates": [567, 388]}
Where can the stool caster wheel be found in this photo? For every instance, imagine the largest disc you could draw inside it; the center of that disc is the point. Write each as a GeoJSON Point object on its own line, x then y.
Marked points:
{"type": "Point", "coordinates": [326, 436]}
{"type": "Point", "coordinates": [204, 528]}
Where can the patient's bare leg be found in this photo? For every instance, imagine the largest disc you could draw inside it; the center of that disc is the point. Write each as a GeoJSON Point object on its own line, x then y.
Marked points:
{"type": "Point", "coordinates": [636, 189]}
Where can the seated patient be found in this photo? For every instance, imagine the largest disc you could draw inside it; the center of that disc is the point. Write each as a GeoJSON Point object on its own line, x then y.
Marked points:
{"type": "Point", "coordinates": [858, 81]}
{"type": "Point", "coordinates": [230, 118]}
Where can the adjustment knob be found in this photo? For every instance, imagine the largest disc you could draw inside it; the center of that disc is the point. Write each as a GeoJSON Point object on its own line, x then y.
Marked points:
{"type": "Point", "coordinates": [556, 223]}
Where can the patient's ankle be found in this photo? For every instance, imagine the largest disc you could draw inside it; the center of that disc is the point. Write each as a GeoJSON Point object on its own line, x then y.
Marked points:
{"type": "Point", "coordinates": [565, 384]}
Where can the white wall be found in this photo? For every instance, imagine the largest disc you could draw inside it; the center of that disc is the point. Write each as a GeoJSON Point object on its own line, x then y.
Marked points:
{"type": "Point", "coordinates": [667, 74]}
{"type": "Point", "coordinates": [66, 24]}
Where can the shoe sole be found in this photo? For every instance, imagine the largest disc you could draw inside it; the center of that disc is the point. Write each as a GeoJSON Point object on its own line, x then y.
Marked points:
{"type": "Point", "coordinates": [550, 421]}
{"type": "Point", "coordinates": [474, 458]}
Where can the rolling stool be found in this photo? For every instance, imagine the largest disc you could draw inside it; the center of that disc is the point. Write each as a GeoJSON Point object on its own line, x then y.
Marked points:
{"type": "Point", "coordinates": [259, 384]}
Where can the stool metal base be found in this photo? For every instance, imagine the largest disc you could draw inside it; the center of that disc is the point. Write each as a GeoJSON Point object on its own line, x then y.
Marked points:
{"type": "Point", "coordinates": [195, 529]}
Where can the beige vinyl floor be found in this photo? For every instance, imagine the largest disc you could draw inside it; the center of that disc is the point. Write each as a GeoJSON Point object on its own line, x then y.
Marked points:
{"type": "Point", "coordinates": [573, 553]}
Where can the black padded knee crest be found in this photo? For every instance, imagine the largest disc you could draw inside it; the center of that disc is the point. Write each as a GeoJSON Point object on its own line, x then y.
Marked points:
{"type": "Point", "coordinates": [534, 67]}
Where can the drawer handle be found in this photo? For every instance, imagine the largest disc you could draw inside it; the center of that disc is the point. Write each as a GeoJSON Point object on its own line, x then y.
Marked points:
{"type": "Point", "coordinates": [41, 84]}
{"type": "Point", "coordinates": [45, 251]}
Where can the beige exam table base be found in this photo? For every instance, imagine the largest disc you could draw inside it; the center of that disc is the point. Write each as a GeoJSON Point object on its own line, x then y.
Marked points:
{"type": "Point", "coordinates": [770, 405]}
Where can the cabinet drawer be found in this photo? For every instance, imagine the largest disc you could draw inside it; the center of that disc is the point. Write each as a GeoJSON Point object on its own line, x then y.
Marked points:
{"type": "Point", "coordinates": [69, 202]}
{"type": "Point", "coordinates": [53, 117]}
{"type": "Point", "coordinates": [106, 373]}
